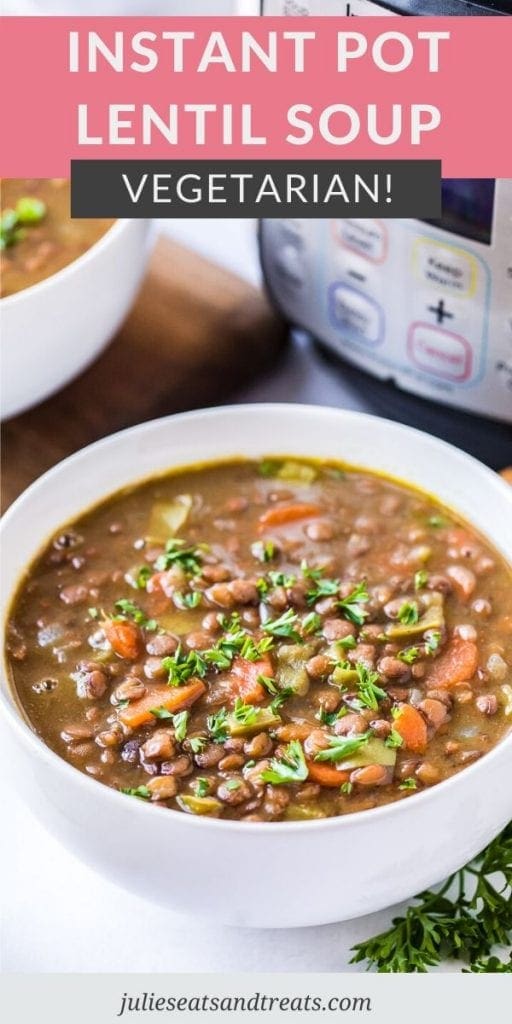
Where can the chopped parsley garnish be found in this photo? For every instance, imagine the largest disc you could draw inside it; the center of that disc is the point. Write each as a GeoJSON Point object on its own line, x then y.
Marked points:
{"type": "Point", "coordinates": [330, 717]}
{"type": "Point", "coordinates": [217, 725]}
{"type": "Point", "coordinates": [269, 684]}
{"type": "Point", "coordinates": [281, 698]}
{"type": "Point", "coordinates": [129, 610]}
{"type": "Point", "coordinates": [432, 641]}
{"type": "Point", "coordinates": [408, 613]}
{"type": "Point", "coordinates": [291, 767]}
{"type": "Point", "coordinates": [13, 223]}
{"type": "Point", "coordinates": [263, 550]}
{"type": "Point", "coordinates": [368, 693]}
{"type": "Point", "coordinates": [177, 553]}
{"type": "Point", "coordinates": [141, 577]}
{"type": "Point", "coordinates": [142, 792]}
{"type": "Point", "coordinates": [284, 626]}
{"type": "Point", "coordinates": [160, 713]}
{"type": "Point", "coordinates": [282, 579]}
{"type": "Point", "coordinates": [246, 714]}
{"type": "Point", "coordinates": [394, 740]}
{"type": "Point", "coordinates": [269, 467]}
{"type": "Point", "coordinates": [409, 655]}
{"type": "Point", "coordinates": [347, 643]}
{"type": "Point", "coordinates": [181, 666]}
{"type": "Point", "coordinates": [93, 613]}
{"type": "Point", "coordinates": [409, 783]}
{"type": "Point", "coordinates": [192, 599]}
{"type": "Point", "coordinates": [180, 722]}
{"type": "Point", "coordinates": [420, 579]}
{"type": "Point", "coordinates": [341, 747]}
{"type": "Point", "coordinates": [202, 786]}
{"type": "Point", "coordinates": [233, 784]}
{"type": "Point", "coordinates": [197, 743]}
{"type": "Point", "coordinates": [436, 521]}
{"type": "Point", "coordinates": [346, 788]}
{"type": "Point", "coordinates": [322, 587]}
{"type": "Point", "coordinates": [351, 605]}
{"type": "Point", "coordinates": [311, 623]}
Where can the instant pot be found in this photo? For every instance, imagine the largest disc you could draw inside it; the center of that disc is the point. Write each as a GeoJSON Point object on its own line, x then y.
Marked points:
{"type": "Point", "coordinates": [426, 304]}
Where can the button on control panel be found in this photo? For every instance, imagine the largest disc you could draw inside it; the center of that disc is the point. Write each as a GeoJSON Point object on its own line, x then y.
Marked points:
{"type": "Point", "coordinates": [440, 353]}
{"type": "Point", "coordinates": [359, 317]}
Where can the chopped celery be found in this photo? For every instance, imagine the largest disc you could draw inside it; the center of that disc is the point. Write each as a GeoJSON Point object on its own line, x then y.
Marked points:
{"type": "Point", "coordinates": [291, 669]}
{"type": "Point", "coordinates": [168, 517]}
{"type": "Point", "coordinates": [374, 751]}
{"type": "Point", "coordinates": [205, 805]}
{"type": "Point", "coordinates": [263, 718]}
{"type": "Point", "coordinates": [344, 676]}
{"type": "Point", "coordinates": [297, 472]}
{"type": "Point", "coordinates": [433, 618]}
{"type": "Point", "coordinates": [303, 812]}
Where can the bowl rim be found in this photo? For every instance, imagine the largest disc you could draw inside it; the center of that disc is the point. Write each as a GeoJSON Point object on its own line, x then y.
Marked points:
{"type": "Point", "coordinates": [8, 703]}
{"type": "Point", "coordinates": [110, 235]}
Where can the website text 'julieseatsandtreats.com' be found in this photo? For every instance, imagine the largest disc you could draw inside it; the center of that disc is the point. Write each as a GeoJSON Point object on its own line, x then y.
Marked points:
{"type": "Point", "coordinates": [256, 405]}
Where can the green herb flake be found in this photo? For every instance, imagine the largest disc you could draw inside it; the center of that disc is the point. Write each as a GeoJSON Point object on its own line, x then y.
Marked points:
{"type": "Point", "coordinates": [420, 579]}
{"type": "Point", "coordinates": [341, 747]}
{"type": "Point", "coordinates": [351, 605]}
{"type": "Point", "coordinates": [269, 684]}
{"type": "Point", "coordinates": [192, 599]}
{"type": "Point", "coordinates": [394, 740]}
{"type": "Point", "coordinates": [291, 767]}
{"type": "Point", "coordinates": [263, 550]}
{"type": "Point", "coordinates": [284, 626]}
{"type": "Point", "coordinates": [347, 643]}
{"type": "Point", "coordinates": [408, 613]}
{"type": "Point", "coordinates": [180, 722]}
{"type": "Point", "coordinates": [233, 784]}
{"type": "Point", "coordinates": [311, 623]}
{"type": "Point", "coordinates": [409, 655]}
{"type": "Point", "coordinates": [197, 743]}
{"type": "Point", "coordinates": [369, 693]}
{"type": "Point", "coordinates": [142, 792]}
{"type": "Point", "coordinates": [409, 783]}
{"type": "Point", "coordinates": [202, 786]}
{"type": "Point", "coordinates": [217, 725]}
{"type": "Point", "coordinates": [346, 788]}
{"type": "Point", "coordinates": [269, 467]}
{"type": "Point", "coordinates": [189, 558]}
{"type": "Point", "coordinates": [432, 642]}
{"type": "Point", "coordinates": [160, 713]}
{"type": "Point", "coordinates": [436, 521]}
{"type": "Point", "coordinates": [129, 610]}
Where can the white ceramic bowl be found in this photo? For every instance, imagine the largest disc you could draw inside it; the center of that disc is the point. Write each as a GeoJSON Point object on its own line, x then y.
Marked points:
{"type": "Point", "coordinates": [268, 874]}
{"type": "Point", "coordinates": [54, 329]}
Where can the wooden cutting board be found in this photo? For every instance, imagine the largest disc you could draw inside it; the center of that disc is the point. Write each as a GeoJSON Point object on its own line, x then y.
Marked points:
{"type": "Point", "coordinates": [196, 334]}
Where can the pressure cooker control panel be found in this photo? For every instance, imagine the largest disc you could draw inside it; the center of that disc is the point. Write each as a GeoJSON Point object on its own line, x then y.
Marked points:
{"type": "Point", "coordinates": [428, 306]}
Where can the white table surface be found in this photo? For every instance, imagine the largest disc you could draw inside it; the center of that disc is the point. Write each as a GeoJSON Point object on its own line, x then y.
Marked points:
{"type": "Point", "coordinates": [60, 916]}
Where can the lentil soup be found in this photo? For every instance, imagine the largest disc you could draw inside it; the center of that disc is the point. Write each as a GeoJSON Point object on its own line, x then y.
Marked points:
{"type": "Point", "coordinates": [38, 236]}
{"type": "Point", "coordinates": [283, 640]}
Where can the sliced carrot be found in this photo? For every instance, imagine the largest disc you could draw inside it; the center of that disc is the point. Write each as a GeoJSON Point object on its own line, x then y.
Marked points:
{"type": "Point", "coordinates": [412, 727]}
{"type": "Point", "coordinates": [458, 664]}
{"type": "Point", "coordinates": [124, 637]}
{"type": "Point", "coordinates": [244, 679]}
{"type": "Point", "coordinates": [158, 695]}
{"type": "Point", "coordinates": [326, 775]}
{"type": "Point", "coordinates": [282, 514]}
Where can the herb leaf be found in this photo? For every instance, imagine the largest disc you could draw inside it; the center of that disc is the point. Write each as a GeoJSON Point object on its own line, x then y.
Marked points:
{"type": "Point", "coordinates": [341, 747]}
{"type": "Point", "coordinates": [284, 626]}
{"type": "Point", "coordinates": [291, 767]}
{"type": "Point", "coordinates": [351, 605]}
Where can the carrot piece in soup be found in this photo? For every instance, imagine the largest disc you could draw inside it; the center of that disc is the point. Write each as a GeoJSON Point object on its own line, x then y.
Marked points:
{"type": "Point", "coordinates": [125, 638]}
{"type": "Point", "coordinates": [158, 695]}
{"type": "Point", "coordinates": [457, 665]}
{"type": "Point", "coordinates": [244, 679]}
{"type": "Point", "coordinates": [412, 727]}
{"type": "Point", "coordinates": [326, 775]}
{"type": "Point", "coordinates": [280, 515]}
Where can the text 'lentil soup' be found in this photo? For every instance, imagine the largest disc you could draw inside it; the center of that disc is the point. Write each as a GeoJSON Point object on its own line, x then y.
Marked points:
{"type": "Point", "coordinates": [284, 640]}
{"type": "Point", "coordinates": [38, 237]}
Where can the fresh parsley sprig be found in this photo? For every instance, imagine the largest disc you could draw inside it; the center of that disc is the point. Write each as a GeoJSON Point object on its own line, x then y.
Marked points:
{"type": "Point", "coordinates": [465, 920]}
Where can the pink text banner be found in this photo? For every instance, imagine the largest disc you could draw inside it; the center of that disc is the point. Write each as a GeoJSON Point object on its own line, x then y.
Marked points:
{"type": "Point", "coordinates": [253, 88]}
